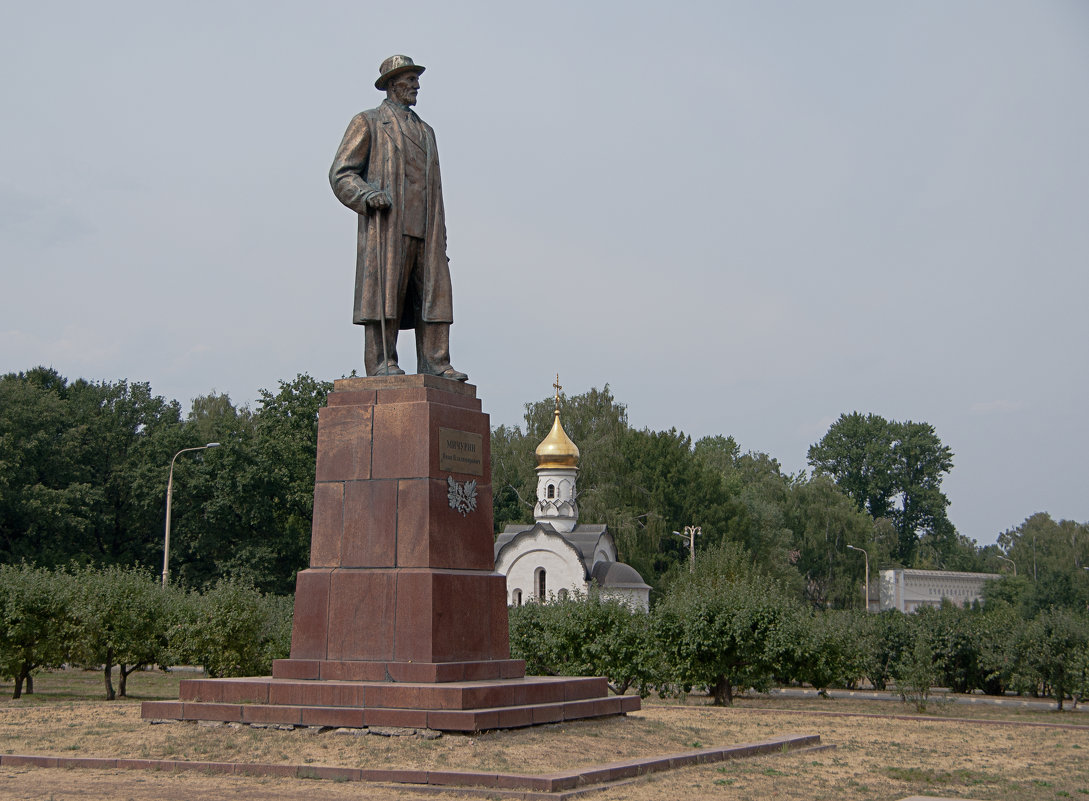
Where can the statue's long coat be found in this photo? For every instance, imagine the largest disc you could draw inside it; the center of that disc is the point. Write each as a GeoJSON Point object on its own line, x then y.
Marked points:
{"type": "Point", "coordinates": [371, 159]}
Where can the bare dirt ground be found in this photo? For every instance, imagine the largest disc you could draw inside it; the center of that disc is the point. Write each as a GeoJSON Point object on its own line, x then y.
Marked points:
{"type": "Point", "coordinates": [876, 757]}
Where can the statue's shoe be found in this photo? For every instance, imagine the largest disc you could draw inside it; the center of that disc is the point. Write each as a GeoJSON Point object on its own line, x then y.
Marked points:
{"type": "Point", "coordinates": [453, 375]}
{"type": "Point", "coordinates": [389, 368]}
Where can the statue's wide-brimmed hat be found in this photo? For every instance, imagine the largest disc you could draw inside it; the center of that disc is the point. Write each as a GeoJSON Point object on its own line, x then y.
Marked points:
{"type": "Point", "coordinates": [394, 66]}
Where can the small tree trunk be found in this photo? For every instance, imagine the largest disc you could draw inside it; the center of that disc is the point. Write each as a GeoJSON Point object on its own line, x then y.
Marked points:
{"type": "Point", "coordinates": [29, 683]}
{"type": "Point", "coordinates": [620, 687]}
{"type": "Point", "coordinates": [18, 693]}
{"type": "Point", "coordinates": [123, 681]}
{"type": "Point", "coordinates": [723, 692]}
{"type": "Point", "coordinates": [106, 673]}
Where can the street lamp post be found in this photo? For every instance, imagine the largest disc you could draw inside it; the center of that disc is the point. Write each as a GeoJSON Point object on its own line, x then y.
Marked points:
{"type": "Point", "coordinates": [690, 534]}
{"type": "Point", "coordinates": [169, 495]}
{"type": "Point", "coordinates": [866, 557]}
{"type": "Point", "coordinates": [1007, 559]}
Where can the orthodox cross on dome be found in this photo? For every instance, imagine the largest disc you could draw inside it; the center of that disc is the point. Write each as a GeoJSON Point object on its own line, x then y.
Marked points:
{"type": "Point", "coordinates": [557, 468]}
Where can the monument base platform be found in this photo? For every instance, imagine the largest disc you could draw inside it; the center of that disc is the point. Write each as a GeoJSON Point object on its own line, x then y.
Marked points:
{"type": "Point", "coordinates": [401, 619]}
{"type": "Point", "coordinates": [464, 706]}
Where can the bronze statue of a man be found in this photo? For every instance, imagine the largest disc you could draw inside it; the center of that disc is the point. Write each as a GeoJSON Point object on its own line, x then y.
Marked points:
{"type": "Point", "coordinates": [387, 171]}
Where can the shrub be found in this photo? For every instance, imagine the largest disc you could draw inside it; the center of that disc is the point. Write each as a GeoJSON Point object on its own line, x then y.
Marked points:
{"type": "Point", "coordinates": [585, 636]}
{"type": "Point", "coordinates": [916, 673]}
{"type": "Point", "coordinates": [830, 649]}
{"type": "Point", "coordinates": [120, 619]}
{"type": "Point", "coordinates": [726, 626]}
{"type": "Point", "coordinates": [35, 622]}
{"type": "Point", "coordinates": [232, 629]}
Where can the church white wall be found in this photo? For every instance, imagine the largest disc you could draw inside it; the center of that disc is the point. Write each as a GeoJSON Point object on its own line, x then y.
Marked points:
{"type": "Point", "coordinates": [638, 600]}
{"type": "Point", "coordinates": [520, 563]}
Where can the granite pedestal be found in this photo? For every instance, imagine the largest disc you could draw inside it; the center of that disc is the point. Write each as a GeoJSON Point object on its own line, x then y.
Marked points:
{"type": "Point", "coordinates": [401, 619]}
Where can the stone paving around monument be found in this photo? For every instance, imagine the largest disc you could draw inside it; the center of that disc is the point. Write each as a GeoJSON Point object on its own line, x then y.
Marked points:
{"type": "Point", "coordinates": [564, 784]}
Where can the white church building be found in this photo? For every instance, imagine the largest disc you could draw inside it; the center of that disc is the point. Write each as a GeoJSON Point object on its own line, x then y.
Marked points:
{"type": "Point", "coordinates": [557, 555]}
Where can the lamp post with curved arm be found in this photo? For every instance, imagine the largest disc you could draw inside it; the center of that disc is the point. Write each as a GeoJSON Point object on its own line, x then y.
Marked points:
{"type": "Point", "coordinates": [169, 495]}
{"type": "Point", "coordinates": [1007, 559]}
{"type": "Point", "coordinates": [866, 606]}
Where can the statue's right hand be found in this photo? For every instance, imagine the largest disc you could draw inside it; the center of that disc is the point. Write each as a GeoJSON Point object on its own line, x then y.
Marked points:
{"type": "Point", "coordinates": [379, 201]}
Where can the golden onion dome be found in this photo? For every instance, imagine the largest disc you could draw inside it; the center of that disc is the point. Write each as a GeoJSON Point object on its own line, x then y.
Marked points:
{"type": "Point", "coordinates": [557, 449]}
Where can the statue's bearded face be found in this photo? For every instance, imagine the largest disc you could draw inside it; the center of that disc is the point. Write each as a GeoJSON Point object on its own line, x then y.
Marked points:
{"type": "Point", "coordinates": [403, 88]}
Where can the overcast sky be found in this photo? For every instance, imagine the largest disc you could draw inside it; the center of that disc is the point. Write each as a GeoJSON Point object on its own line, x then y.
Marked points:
{"type": "Point", "coordinates": [746, 217]}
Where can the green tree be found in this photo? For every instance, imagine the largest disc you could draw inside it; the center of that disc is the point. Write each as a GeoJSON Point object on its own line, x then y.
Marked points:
{"type": "Point", "coordinates": [513, 488]}
{"type": "Point", "coordinates": [916, 671]}
{"type": "Point", "coordinates": [920, 462]}
{"type": "Point", "coordinates": [1001, 626]}
{"type": "Point", "coordinates": [891, 470]}
{"type": "Point", "coordinates": [586, 635]}
{"type": "Point", "coordinates": [46, 495]}
{"type": "Point", "coordinates": [753, 508]}
{"type": "Point", "coordinates": [823, 522]}
{"type": "Point", "coordinates": [245, 509]}
{"type": "Point", "coordinates": [121, 619]}
{"type": "Point", "coordinates": [666, 487]}
{"type": "Point", "coordinates": [889, 638]}
{"type": "Point", "coordinates": [857, 453]}
{"type": "Point", "coordinates": [35, 622]}
{"type": "Point", "coordinates": [130, 436]}
{"type": "Point", "coordinates": [1051, 655]}
{"type": "Point", "coordinates": [232, 629]}
{"type": "Point", "coordinates": [957, 637]}
{"type": "Point", "coordinates": [1049, 556]}
{"type": "Point", "coordinates": [830, 649]}
{"type": "Point", "coordinates": [726, 626]}
{"type": "Point", "coordinates": [213, 417]}
{"type": "Point", "coordinates": [79, 477]}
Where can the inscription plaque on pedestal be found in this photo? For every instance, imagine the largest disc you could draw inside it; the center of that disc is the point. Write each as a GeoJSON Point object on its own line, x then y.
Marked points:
{"type": "Point", "coordinates": [461, 452]}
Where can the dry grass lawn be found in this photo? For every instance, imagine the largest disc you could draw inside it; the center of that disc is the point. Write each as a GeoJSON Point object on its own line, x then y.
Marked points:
{"type": "Point", "coordinates": [875, 757]}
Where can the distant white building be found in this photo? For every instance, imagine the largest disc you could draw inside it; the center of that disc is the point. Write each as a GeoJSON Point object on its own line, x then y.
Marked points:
{"type": "Point", "coordinates": [908, 590]}
{"type": "Point", "coordinates": [557, 555]}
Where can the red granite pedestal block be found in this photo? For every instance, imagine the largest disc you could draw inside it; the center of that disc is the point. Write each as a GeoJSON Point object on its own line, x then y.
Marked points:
{"type": "Point", "coordinates": [403, 615]}
{"type": "Point", "coordinates": [401, 619]}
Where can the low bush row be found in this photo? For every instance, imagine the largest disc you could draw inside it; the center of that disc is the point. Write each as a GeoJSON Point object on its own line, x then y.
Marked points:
{"type": "Point", "coordinates": [122, 617]}
{"type": "Point", "coordinates": [727, 628]}
{"type": "Point", "coordinates": [724, 628]}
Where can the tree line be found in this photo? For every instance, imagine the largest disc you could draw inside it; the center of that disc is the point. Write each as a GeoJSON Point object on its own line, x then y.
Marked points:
{"type": "Point", "coordinates": [123, 618]}
{"type": "Point", "coordinates": [84, 464]}
{"type": "Point", "coordinates": [724, 628]}
{"type": "Point", "coordinates": [83, 475]}
{"type": "Point", "coordinates": [730, 626]}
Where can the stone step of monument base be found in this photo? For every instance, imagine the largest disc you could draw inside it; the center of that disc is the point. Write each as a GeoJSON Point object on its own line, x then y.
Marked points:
{"type": "Point", "coordinates": [461, 720]}
{"type": "Point", "coordinates": [395, 695]}
{"type": "Point", "coordinates": [446, 706]}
